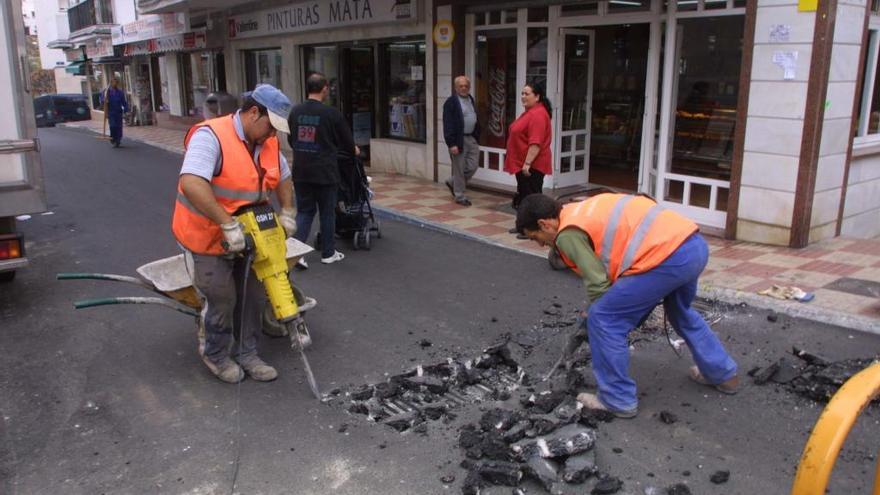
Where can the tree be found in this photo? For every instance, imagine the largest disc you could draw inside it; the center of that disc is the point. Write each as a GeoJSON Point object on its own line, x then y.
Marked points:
{"type": "Point", "coordinates": [42, 81]}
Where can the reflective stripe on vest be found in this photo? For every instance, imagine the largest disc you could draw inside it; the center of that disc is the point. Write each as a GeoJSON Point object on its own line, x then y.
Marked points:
{"type": "Point", "coordinates": [241, 182]}
{"type": "Point", "coordinates": [622, 231]}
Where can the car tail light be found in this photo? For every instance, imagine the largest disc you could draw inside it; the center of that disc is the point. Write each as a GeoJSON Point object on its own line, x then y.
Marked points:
{"type": "Point", "coordinates": [10, 248]}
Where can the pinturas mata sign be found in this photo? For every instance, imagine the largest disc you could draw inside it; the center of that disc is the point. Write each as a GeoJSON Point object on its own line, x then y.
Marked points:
{"type": "Point", "coordinates": [324, 14]}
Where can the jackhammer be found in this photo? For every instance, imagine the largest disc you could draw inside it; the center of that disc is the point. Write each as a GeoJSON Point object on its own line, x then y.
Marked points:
{"type": "Point", "coordinates": [266, 251]}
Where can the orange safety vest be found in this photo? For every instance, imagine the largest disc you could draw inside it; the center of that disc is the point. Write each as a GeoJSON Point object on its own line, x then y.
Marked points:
{"type": "Point", "coordinates": [630, 234]}
{"type": "Point", "coordinates": [241, 182]}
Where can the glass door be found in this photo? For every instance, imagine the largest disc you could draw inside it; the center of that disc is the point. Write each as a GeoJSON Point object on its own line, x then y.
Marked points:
{"type": "Point", "coordinates": [573, 116]}
{"type": "Point", "coordinates": [358, 98]}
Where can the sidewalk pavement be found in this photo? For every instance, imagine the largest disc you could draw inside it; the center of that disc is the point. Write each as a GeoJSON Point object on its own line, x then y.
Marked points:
{"type": "Point", "coordinates": [843, 273]}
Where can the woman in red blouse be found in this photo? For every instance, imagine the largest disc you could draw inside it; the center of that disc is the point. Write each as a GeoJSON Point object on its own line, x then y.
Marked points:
{"type": "Point", "coordinates": [528, 143]}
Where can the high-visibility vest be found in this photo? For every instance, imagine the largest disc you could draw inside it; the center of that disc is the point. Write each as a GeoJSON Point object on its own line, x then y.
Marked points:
{"type": "Point", "coordinates": [241, 182]}
{"type": "Point", "coordinates": [630, 234]}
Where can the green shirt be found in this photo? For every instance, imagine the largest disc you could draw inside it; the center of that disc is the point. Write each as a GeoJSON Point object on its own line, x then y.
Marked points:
{"type": "Point", "coordinates": [576, 245]}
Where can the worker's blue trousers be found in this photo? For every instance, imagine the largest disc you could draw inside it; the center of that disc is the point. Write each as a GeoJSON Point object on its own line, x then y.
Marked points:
{"type": "Point", "coordinates": [629, 299]}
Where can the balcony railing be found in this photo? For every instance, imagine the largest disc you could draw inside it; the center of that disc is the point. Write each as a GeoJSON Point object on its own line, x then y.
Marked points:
{"type": "Point", "coordinates": [89, 13]}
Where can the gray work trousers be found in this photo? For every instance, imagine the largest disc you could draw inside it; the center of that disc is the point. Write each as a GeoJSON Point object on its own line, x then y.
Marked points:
{"type": "Point", "coordinates": [218, 279]}
{"type": "Point", "coordinates": [464, 166]}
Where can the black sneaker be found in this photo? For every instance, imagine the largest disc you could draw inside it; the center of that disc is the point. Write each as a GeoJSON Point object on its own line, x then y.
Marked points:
{"type": "Point", "coordinates": [463, 201]}
{"type": "Point", "coordinates": [512, 231]}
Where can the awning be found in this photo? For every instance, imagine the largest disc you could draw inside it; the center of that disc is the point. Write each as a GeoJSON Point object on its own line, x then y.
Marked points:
{"type": "Point", "coordinates": [77, 68]}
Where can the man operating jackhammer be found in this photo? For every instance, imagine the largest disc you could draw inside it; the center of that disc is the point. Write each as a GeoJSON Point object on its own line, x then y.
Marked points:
{"type": "Point", "coordinates": [631, 254]}
{"type": "Point", "coordinates": [232, 162]}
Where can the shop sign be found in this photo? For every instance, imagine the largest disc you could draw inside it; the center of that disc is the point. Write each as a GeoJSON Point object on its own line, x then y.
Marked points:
{"type": "Point", "coordinates": [99, 48]}
{"type": "Point", "coordinates": [187, 41]}
{"type": "Point", "coordinates": [150, 26]}
{"type": "Point", "coordinates": [324, 14]}
{"type": "Point", "coordinates": [444, 33]}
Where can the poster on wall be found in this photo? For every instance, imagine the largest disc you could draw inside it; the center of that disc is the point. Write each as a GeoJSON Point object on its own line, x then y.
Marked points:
{"type": "Point", "coordinates": [362, 128]}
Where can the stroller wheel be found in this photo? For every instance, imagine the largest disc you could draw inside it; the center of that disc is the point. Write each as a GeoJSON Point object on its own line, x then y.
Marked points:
{"type": "Point", "coordinates": [378, 230]}
{"type": "Point", "coordinates": [356, 241]}
{"type": "Point", "coordinates": [365, 239]}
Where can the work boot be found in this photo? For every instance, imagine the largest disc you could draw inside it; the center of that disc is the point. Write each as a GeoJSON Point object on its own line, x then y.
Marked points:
{"type": "Point", "coordinates": [591, 401]}
{"type": "Point", "coordinates": [729, 387]}
{"type": "Point", "coordinates": [258, 370]}
{"type": "Point", "coordinates": [226, 370]}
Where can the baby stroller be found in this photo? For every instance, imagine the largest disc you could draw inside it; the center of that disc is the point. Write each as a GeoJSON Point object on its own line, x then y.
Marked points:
{"type": "Point", "coordinates": [354, 215]}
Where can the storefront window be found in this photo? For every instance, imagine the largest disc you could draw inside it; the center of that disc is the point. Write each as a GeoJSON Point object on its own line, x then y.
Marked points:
{"type": "Point", "coordinates": [201, 80]}
{"type": "Point", "coordinates": [495, 86]}
{"type": "Point", "coordinates": [325, 60]}
{"type": "Point", "coordinates": [402, 73]}
{"type": "Point", "coordinates": [263, 66]}
{"type": "Point", "coordinates": [537, 56]}
{"type": "Point", "coordinates": [708, 88]}
{"type": "Point", "coordinates": [869, 114]}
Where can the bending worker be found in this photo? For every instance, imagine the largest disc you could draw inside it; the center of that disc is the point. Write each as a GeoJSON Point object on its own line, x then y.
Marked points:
{"type": "Point", "coordinates": [232, 162]}
{"type": "Point", "coordinates": [631, 254]}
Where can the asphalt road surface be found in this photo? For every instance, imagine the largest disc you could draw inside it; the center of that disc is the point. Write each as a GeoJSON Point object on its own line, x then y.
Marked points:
{"type": "Point", "coordinates": [115, 400]}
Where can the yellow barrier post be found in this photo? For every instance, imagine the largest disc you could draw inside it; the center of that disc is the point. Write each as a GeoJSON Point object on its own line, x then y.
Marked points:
{"type": "Point", "coordinates": [831, 431]}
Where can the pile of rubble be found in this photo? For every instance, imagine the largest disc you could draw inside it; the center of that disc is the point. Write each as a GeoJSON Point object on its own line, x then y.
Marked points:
{"type": "Point", "coordinates": [811, 376]}
{"type": "Point", "coordinates": [409, 399]}
{"type": "Point", "coordinates": [551, 441]}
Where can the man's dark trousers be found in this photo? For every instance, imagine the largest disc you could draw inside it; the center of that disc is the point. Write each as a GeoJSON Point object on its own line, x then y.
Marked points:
{"type": "Point", "coordinates": [320, 198]}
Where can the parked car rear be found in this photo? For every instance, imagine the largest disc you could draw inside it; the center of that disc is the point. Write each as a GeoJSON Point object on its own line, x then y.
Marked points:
{"type": "Point", "coordinates": [50, 109]}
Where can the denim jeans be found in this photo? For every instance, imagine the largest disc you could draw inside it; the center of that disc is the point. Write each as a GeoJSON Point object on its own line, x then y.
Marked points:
{"type": "Point", "coordinates": [620, 309]}
{"type": "Point", "coordinates": [320, 198]}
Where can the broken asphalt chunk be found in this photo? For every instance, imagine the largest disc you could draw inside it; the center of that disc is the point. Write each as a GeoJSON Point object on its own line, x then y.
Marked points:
{"type": "Point", "coordinates": [766, 374]}
{"type": "Point", "coordinates": [678, 489]}
{"type": "Point", "coordinates": [719, 477]}
{"type": "Point", "coordinates": [500, 473]}
{"type": "Point", "coordinates": [579, 467]}
{"type": "Point", "coordinates": [544, 471]}
{"type": "Point", "coordinates": [607, 486]}
{"type": "Point", "coordinates": [499, 419]}
{"type": "Point", "coordinates": [362, 393]}
{"type": "Point", "coordinates": [668, 417]}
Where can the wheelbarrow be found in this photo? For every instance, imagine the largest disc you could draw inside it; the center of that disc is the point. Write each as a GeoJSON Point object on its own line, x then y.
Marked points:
{"type": "Point", "coordinates": [171, 281]}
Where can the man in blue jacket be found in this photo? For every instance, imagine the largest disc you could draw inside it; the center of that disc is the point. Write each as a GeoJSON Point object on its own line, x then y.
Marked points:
{"type": "Point", "coordinates": [461, 132]}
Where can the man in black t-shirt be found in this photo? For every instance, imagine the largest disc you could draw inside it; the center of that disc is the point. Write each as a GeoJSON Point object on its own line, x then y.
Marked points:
{"type": "Point", "coordinates": [317, 133]}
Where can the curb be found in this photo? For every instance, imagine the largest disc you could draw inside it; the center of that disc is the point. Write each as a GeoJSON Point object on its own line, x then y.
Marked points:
{"type": "Point", "coordinates": [729, 296]}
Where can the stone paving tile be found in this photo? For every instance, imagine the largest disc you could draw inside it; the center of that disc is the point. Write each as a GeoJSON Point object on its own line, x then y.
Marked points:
{"type": "Point", "coordinates": [800, 278]}
{"type": "Point", "coordinates": [780, 259]}
{"type": "Point", "coordinates": [737, 253]}
{"type": "Point", "coordinates": [840, 269]}
{"type": "Point", "coordinates": [851, 258]}
{"type": "Point", "coordinates": [757, 269]}
{"type": "Point", "coordinates": [844, 302]}
{"type": "Point", "coordinates": [730, 280]}
{"type": "Point", "coordinates": [870, 273]}
{"type": "Point", "coordinates": [488, 230]}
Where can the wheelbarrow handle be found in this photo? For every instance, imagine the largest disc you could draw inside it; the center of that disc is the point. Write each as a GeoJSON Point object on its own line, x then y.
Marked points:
{"type": "Point", "coordinates": [168, 303]}
{"type": "Point", "coordinates": [106, 276]}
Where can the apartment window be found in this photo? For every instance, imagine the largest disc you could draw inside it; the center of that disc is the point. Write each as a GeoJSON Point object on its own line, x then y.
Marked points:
{"type": "Point", "coordinates": [402, 69]}
{"type": "Point", "coordinates": [869, 113]}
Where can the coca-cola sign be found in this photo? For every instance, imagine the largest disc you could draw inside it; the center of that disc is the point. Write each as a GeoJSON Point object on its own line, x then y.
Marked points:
{"type": "Point", "coordinates": [497, 101]}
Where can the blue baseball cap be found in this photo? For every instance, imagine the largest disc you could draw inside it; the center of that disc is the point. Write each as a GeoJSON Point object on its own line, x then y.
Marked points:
{"type": "Point", "coordinates": [276, 103]}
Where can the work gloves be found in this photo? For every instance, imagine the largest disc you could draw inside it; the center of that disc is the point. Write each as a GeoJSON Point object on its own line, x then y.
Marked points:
{"type": "Point", "coordinates": [287, 218]}
{"type": "Point", "coordinates": [233, 235]}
